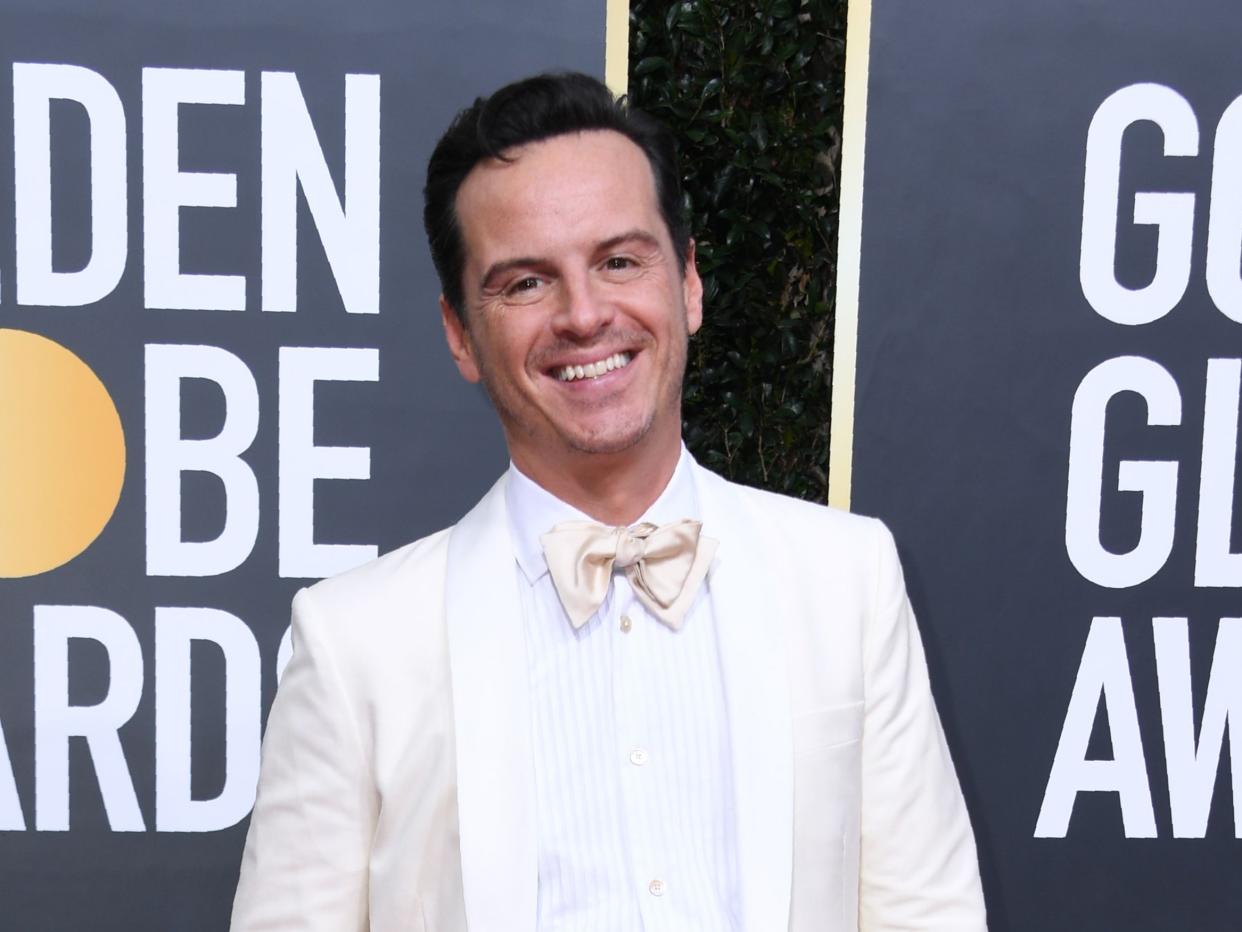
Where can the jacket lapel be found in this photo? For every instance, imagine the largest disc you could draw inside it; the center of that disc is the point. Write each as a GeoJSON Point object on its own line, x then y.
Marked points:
{"type": "Point", "coordinates": [746, 585]}
{"type": "Point", "coordinates": [495, 781]}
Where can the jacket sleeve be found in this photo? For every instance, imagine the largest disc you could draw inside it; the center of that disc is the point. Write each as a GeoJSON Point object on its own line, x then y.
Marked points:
{"type": "Point", "coordinates": [305, 866]}
{"type": "Point", "coordinates": [918, 869]}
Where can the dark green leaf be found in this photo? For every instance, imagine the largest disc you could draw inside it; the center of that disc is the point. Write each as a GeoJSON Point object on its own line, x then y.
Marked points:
{"type": "Point", "coordinates": [651, 66]}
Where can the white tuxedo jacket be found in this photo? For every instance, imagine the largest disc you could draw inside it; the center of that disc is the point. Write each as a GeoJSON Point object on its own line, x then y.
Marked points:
{"type": "Point", "coordinates": [397, 794]}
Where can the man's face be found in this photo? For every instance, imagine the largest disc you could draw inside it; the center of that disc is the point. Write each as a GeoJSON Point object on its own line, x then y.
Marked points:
{"type": "Point", "coordinates": [576, 313]}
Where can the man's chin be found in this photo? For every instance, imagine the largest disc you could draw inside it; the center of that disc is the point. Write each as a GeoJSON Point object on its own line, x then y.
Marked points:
{"type": "Point", "coordinates": [604, 446]}
{"type": "Point", "coordinates": [607, 442]}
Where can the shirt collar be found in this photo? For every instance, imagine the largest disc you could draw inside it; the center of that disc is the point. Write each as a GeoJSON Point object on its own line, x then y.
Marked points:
{"type": "Point", "coordinates": [533, 511]}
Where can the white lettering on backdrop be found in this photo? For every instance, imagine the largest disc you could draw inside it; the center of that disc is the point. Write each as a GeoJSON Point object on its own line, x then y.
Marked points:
{"type": "Point", "coordinates": [1151, 489]}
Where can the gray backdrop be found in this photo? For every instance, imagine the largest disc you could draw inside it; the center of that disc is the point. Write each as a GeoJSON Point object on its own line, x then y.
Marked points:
{"type": "Point", "coordinates": [975, 337]}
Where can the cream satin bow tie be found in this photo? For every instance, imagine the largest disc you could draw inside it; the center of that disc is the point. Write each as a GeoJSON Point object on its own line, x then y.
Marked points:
{"type": "Point", "coordinates": [665, 565]}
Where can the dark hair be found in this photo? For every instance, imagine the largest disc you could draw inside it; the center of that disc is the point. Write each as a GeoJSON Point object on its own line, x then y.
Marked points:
{"type": "Point", "coordinates": [537, 108]}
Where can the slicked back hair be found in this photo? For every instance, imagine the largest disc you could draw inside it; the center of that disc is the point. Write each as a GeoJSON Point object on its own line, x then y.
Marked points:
{"type": "Point", "coordinates": [534, 109]}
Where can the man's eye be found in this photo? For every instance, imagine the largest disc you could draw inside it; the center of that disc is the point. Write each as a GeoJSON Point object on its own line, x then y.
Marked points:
{"type": "Point", "coordinates": [529, 283]}
{"type": "Point", "coordinates": [618, 263]}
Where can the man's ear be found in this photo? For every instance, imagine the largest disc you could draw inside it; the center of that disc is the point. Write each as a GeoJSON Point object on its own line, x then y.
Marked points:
{"type": "Point", "coordinates": [458, 341]}
{"type": "Point", "coordinates": [692, 291]}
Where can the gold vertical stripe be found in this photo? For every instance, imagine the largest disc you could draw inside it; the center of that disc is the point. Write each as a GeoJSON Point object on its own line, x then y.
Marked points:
{"type": "Point", "coordinates": [617, 46]}
{"type": "Point", "coordinates": [849, 253]}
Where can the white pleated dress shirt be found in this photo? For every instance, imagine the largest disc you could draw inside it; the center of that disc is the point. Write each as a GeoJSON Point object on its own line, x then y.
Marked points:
{"type": "Point", "coordinates": [633, 783]}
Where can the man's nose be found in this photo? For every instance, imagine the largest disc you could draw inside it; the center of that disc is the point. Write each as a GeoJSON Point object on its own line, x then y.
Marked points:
{"type": "Point", "coordinates": [584, 308]}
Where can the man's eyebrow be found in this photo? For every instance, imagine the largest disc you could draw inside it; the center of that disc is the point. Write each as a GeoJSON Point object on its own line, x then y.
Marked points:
{"type": "Point", "coordinates": [629, 236]}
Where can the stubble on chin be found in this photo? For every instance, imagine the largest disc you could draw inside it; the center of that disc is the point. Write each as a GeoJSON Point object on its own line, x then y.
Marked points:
{"type": "Point", "coordinates": [612, 441]}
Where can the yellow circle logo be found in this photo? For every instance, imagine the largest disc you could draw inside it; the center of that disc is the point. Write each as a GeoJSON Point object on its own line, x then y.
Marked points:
{"type": "Point", "coordinates": [62, 455]}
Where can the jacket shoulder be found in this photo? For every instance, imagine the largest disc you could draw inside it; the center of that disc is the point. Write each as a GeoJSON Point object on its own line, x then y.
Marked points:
{"type": "Point", "coordinates": [787, 512]}
{"type": "Point", "coordinates": [840, 551]}
{"type": "Point", "coordinates": [374, 592]}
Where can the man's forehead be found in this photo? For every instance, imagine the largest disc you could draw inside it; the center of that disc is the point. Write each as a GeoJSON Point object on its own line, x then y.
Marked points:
{"type": "Point", "coordinates": [571, 161]}
{"type": "Point", "coordinates": [597, 177]}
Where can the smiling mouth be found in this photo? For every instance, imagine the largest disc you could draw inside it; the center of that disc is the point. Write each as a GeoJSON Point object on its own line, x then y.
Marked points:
{"type": "Point", "coordinates": [593, 370]}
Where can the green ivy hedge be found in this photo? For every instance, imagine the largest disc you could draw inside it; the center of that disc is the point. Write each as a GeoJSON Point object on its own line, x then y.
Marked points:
{"type": "Point", "coordinates": [753, 90]}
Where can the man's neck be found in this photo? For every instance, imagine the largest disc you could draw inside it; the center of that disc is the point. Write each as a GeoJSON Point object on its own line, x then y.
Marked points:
{"type": "Point", "coordinates": [613, 488]}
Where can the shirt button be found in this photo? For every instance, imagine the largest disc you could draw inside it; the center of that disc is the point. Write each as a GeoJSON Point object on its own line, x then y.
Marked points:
{"type": "Point", "coordinates": [656, 887]}
{"type": "Point", "coordinates": [638, 757]}
{"type": "Point", "coordinates": [626, 624]}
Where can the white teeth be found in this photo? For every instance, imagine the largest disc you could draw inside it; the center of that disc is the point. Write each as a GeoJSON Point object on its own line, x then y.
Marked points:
{"type": "Point", "coordinates": [594, 370]}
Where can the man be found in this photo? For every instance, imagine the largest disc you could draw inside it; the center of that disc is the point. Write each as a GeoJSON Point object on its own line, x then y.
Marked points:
{"type": "Point", "coordinates": [621, 693]}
